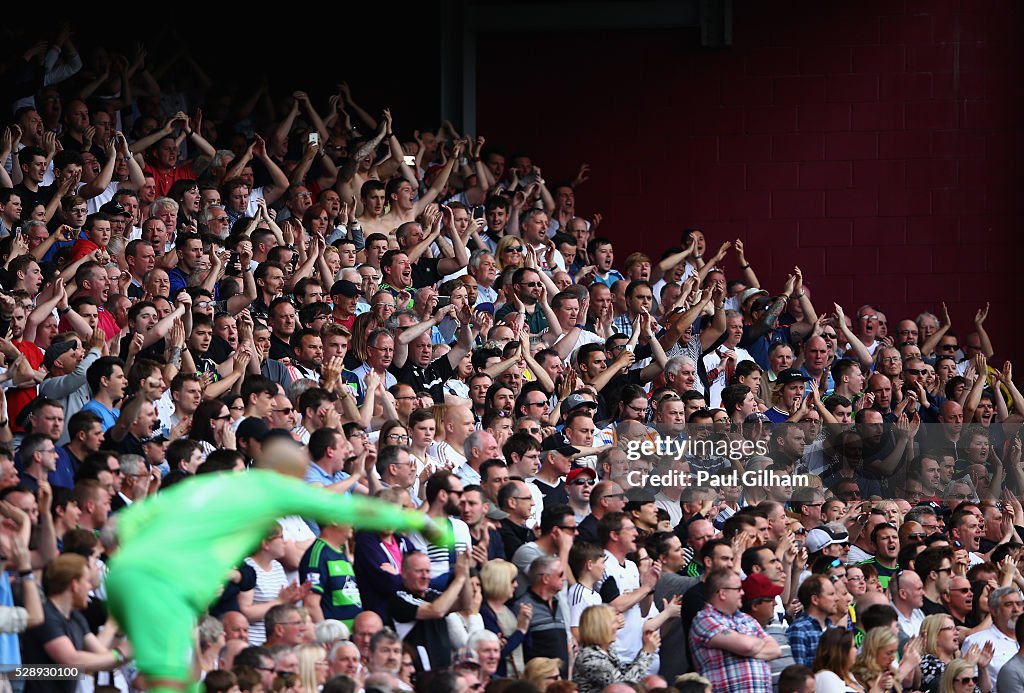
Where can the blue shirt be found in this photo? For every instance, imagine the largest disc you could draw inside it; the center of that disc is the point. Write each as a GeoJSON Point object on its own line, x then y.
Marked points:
{"type": "Point", "coordinates": [803, 636]}
{"type": "Point", "coordinates": [10, 650]}
{"type": "Point", "coordinates": [108, 417]}
{"type": "Point", "coordinates": [179, 280]}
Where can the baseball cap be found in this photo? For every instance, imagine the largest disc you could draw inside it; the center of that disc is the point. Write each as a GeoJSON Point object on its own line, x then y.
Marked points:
{"type": "Point", "coordinates": [115, 208]}
{"type": "Point", "coordinates": [553, 443]}
{"type": "Point", "coordinates": [822, 537]}
{"type": "Point", "coordinates": [636, 496]}
{"type": "Point", "coordinates": [55, 351]}
{"type": "Point", "coordinates": [577, 472]}
{"type": "Point", "coordinates": [252, 427]}
{"type": "Point", "coordinates": [757, 586]}
{"type": "Point", "coordinates": [791, 375]}
{"type": "Point", "coordinates": [485, 307]}
{"type": "Point", "coordinates": [573, 401]}
{"type": "Point", "coordinates": [748, 293]}
{"type": "Point", "coordinates": [344, 287]}
{"type": "Point", "coordinates": [756, 417]}
{"type": "Point", "coordinates": [495, 513]}
{"type": "Point", "coordinates": [763, 303]}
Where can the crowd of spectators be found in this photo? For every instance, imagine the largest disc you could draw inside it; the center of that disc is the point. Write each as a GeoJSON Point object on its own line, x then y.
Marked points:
{"type": "Point", "coordinates": [662, 473]}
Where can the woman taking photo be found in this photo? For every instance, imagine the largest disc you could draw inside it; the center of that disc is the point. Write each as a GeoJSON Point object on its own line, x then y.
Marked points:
{"type": "Point", "coordinates": [597, 664]}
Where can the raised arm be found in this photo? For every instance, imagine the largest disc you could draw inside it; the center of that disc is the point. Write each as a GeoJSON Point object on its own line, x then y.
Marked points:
{"type": "Point", "coordinates": [979, 325]}
{"type": "Point", "coordinates": [102, 181]}
{"type": "Point", "coordinates": [748, 272]}
{"type": "Point", "coordinates": [439, 183]}
{"type": "Point", "coordinates": [856, 346]}
{"type": "Point", "coordinates": [932, 342]}
{"type": "Point", "coordinates": [346, 99]}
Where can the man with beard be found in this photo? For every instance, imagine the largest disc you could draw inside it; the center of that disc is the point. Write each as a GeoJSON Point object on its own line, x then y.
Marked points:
{"type": "Point", "coordinates": [1006, 607]}
{"type": "Point", "coordinates": [309, 354]}
{"type": "Point", "coordinates": [885, 451]}
{"type": "Point", "coordinates": [443, 492]}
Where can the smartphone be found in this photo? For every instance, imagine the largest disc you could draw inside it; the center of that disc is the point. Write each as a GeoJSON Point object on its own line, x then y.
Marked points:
{"type": "Point", "coordinates": [630, 347]}
{"type": "Point", "coordinates": [478, 212]}
{"type": "Point", "coordinates": [314, 138]}
{"type": "Point", "coordinates": [409, 160]}
{"type": "Point", "coordinates": [442, 301]}
{"type": "Point", "coordinates": [234, 264]}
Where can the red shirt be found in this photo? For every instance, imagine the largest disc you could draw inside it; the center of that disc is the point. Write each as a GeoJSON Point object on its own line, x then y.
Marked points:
{"type": "Point", "coordinates": [165, 178]}
{"type": "Point", "coordinates": [19, 398]}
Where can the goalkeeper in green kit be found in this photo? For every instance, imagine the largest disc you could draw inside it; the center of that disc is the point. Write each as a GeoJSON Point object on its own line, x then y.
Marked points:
{"type": "Point", "coordinates": [177, 549]}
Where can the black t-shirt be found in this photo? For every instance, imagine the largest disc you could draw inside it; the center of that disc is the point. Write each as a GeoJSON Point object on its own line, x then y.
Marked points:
{"type": "Point", "coordinates": [34, 640]}
{"type": "Point", "coordinates": [425, 272]}
{"type": "Point", "coordinates": [228, 600]}
{"type": "Point", "coordinates": [280, 349]}
{"type": "Point", "coordinates": [432, 378]}
{"type": "Point", "coordinates": [430, 634]}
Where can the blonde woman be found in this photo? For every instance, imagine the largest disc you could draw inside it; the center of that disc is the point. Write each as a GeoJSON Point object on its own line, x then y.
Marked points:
{"type": "Point", "coordinates": [873, 668]}
{"type": "Point", "coordinates": [498, 584]}
{"type": "Point", "coordinates": [942, 645]}
{"type": "Point", "coordinates": [961, 676]}
{"type": "Point", "coordinates": [313, 667]}
{"type": "Point", "coordinates": [787, 394]}
{"type": "Point", "coordinates": [597, 664]}
{"type": "Point", "coordinates": [510, 253]}
{"type": "Point", "coordinates": [542, 672]}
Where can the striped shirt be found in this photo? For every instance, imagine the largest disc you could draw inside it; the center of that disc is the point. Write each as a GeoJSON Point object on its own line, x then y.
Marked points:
{"type": "Point", "coordinates": [581, 597]}
{"type": "Point", "coordinates": [268, 585]}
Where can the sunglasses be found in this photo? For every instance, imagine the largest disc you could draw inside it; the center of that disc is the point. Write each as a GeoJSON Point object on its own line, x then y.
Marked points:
{"type": "Point", "coordinates": [532, 429]}
{"type": "Point", "coordinates": [584, 482]}
{"type": "Point", "coordinates": [514, 249]}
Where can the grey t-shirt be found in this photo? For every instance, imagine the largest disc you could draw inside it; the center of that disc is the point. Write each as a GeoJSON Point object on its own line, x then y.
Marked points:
{"type": "Point", "coordinates": [1011, 675]}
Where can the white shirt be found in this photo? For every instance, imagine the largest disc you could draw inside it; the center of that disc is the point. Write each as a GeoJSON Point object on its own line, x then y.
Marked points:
{"type": "Point", "coordinates": [910, 625]}
{"type": "Point", "coordinates": [712, 360]}
{"type": "Point", "coordinates": [1005, 647]}
{"type": "Point", "coordinates": [629, 639]}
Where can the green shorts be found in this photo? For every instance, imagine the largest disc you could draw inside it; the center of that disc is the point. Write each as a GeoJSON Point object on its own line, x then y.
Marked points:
{"type": "Point", "coordinates": [157, 618]}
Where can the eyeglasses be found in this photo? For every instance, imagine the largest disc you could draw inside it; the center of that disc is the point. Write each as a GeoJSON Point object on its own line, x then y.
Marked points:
{"type": "Point", "coordinates": [828, 335]}
{"type": "Point", "coordinates": [913, 371]}
{"type": "Point", "coordinates": [397, 436]}
{"type": "Point", "coordinates": [584, 482]}
{"type": "Point", "coordinates": [514, 249]}
{"type": "Point", "coordinates": [964, 680]}
{"type": "Point", "coordinates": [358, 434]}
{"type": "Point", "coordinates": [614, 495]}
{"type": "Point", "coordinates": [948, 347]}
{"type": "Point", "coordinates": [532, 285]}
{"type": "Point", "coordinates": [536, 404]}
{"type": "Point", "coordinates": [730, 588]}
{"type": "Point", "coordinates": [574, 529]}
{"type": "Point", "coordinates": [961, 590]}
{"type": "Point", "coordinates": [237, 407]}
{"type": "Point", "coordinates": [918, 535]}
{"type": "Point", "coordinates": [531, 429]}
{"type": "Point", "coordinates": [289, 410]}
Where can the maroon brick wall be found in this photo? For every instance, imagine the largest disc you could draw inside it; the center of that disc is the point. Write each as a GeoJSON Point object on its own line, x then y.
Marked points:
{"type": "Point", "coordinates": [876, 144]}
